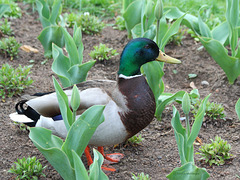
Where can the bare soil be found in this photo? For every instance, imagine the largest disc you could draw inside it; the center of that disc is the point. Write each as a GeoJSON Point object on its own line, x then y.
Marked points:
{"type": "Point", "coordinates": [157, 155]}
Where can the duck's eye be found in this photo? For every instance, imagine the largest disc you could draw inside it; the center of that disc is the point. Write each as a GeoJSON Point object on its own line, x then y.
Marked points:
{"type": "Point", "coordinates": [147, 46]}
{"type": "Point", "coordinates": [164, 54]}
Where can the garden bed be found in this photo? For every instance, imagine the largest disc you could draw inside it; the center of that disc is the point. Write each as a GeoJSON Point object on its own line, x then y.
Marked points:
{"type": "Point", "coordinates": [157, 155]}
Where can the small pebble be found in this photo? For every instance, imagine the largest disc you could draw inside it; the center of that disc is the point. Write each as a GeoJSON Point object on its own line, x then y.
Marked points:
{"type": "Point", "coordinates": [205, 83]}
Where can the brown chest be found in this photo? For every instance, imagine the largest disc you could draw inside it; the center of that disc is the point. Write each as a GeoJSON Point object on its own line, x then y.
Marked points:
{"type": "Point", "coordinates": [140, 102]}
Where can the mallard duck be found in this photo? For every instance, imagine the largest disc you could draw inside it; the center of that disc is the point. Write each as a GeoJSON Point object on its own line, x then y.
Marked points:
{"type": "Point", "coordinates": [129, 103]}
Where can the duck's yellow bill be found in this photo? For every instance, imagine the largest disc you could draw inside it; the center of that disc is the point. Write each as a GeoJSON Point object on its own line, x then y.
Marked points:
{"type": "Point", "coordinates": [168, 59]}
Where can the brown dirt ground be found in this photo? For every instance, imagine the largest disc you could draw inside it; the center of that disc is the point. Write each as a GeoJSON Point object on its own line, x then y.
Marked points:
{"type": "Point", "coordinates": [157, 155]}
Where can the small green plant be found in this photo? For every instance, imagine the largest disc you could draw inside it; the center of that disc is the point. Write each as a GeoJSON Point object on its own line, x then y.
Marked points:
{"type": "Point", "coordinates": [13, 81]}
{"type": "Point", "coordinates": [216, 152]}
{"type": "Point", "coordinates": [178, 37]}
{"type": "Point", "coordinates": [22, 126]}
{"type": "Point", "coordinates": [136, 139]}
{"type": "Point", "coordinates": [214, 110]}
{"type": "Point", "coordinates": [185, 138]}
{"type": "Point", "coordinates": [29, 168]}
{"type": "Point", "coordinates": [9, 47]}
{"type": "Point", "coordinates": [15, 11]}
{"type": "Point", "coordinates": [5, 27]}
{"type": "Point", "coordinates": [141, 176]}
{"type": "Point", "coordinates": [102, 52]}
{"type": "Point", "coordinates": [90, 24]}
{"type": "Point", "coordinates": [119, 23]}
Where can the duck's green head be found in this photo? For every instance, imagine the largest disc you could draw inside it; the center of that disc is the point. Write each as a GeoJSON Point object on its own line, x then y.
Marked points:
{"type": "Point", "coordinates": [138, 52]}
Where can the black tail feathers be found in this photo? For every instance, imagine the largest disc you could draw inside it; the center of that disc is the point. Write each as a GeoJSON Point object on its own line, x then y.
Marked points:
{"type": "Point", "coordinates": [27, 111]}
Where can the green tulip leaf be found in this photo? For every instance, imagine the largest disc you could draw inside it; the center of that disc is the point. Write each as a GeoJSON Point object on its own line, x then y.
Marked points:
{"type": "Point", "coordinates": [188, 171]}
{"type": "Point", "coordinates": [63, 105]}
{"type": "Point", "coordinates": [78, 72]}
{"type": "Point", "coordinates": [80, 170]}
{"type": "Point", "coordinates": [153, 72]}
{"type": "Point", "coordinates": [82, 130]}
{"type": "Point", "coordinates": [162, 102]}
{"type": "Point", "coordinates": [61, 65]}
{"type": "Point", "coordinates": [237, 108]}
{"type": "Point", "coordinates": [50, 146]}
{"type": "Point", "coordinates": [49, 35]}
{"type": "Point", "coordinates": [230, 65]}
{"type": "Point", "coordinates": [96, 172]}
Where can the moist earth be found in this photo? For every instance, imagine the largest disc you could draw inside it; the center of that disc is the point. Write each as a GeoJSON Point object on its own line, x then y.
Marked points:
{"type": "Point", "coordinates": [157, 155]}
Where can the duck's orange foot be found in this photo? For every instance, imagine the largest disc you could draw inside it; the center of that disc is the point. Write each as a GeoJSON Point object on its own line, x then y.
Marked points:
{"type": "Point", "coordinates": [108, 169]}
{"type": "Point", "coordinates": [114, 157]}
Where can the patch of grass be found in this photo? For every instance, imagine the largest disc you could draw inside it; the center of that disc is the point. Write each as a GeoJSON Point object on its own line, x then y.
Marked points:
{"type": "Point", "coordinates": [102, 52]}
{"type": "Point", "coordinates": [15, 9]}
{"type": "Point", "coordinates": [29, 168]}
{"type": "Point", "coordinates": [5, 27]}
{"type": "Point", "coordinates": [136, 139]}
{"type": "Point", "coordinates": [13, 81]}
{"type": "Point", "coordinates": [141, 176]}
{"type": "Point", "coordinates": [214, 110]}
{"type": "Point", "coordinates": [216, 152]}
{"type": "Point", "coordinates": [99, 8]}
{"type": "Point", "coordinates": [9, 47]}
{"type": "Point", "coordinates": [119, 23]}
{"type": "Point", "coordinates": [177, 38]}
{"type": "Point", "coordinates": [89, 24]}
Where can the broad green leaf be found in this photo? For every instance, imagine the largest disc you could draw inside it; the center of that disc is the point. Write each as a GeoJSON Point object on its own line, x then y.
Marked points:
{"type": "Point", "coordinates": [134, 8]}
{"type": "Point", "coordinates": [180, 135]}
{"type": "Point", "coordinates": [49, 35]}
{"type": "Point", "coordinates": [186, 103]}
{"type": "Point", "coordinates": [63, 104]}
{"type": "Point", "coordinates": [221, 32]}
{"type": "Point", "coordinates": [171, 31]}
{"type": "Point", "coordinates": [232, 13]}
{"type": "Point", "coordinates": [150, 33]}
{"type": "Point", "coordinates": [44, 13]}
{"type": "Point", "coordinates": [80, 170]}
{"type": "Point", "coordinates": [188, 172]}
{"type": "Point", "coordinates": [83, 127]}
{"type": "Point", "coordinates": [47, 140]}
{"type": "Point", "coordinates": [162, 104]}
{"type": "Point", "coordinates": [3, 9]}
{"type": "Point", "coordinates": [154, 72]}
{"type": "Point", "coordinates": [78, 73]}
{"type": "Point", "coordinates": [61, 65]}
{"type": "Point", "coordinates": [189, 20]}
{"type": "Point", "coordinates": [233, 39]}
{"type": "Point", "coordinates": [71, 48]}
{"type": "Point", "coordinates": [197, 122]}
{"type": "Point", "coordinates": [230, 65]}
{"type": "Point", "coordinates": [77, 37]}
{"type": "Point", "coordinates": [204, 29]}
{"type": "Point", "coordinates": [237, 108]}
{"type": "Point", "coordinates": [49, 145]}
{"type": "Point", "coordinates": [136, 31]}
{"type": "Point", "coordinates": [162, 30]}
{"type": "Point", "coordinates": [56, 10]}
{"type": "Point", "coordinates": [96, 172]}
